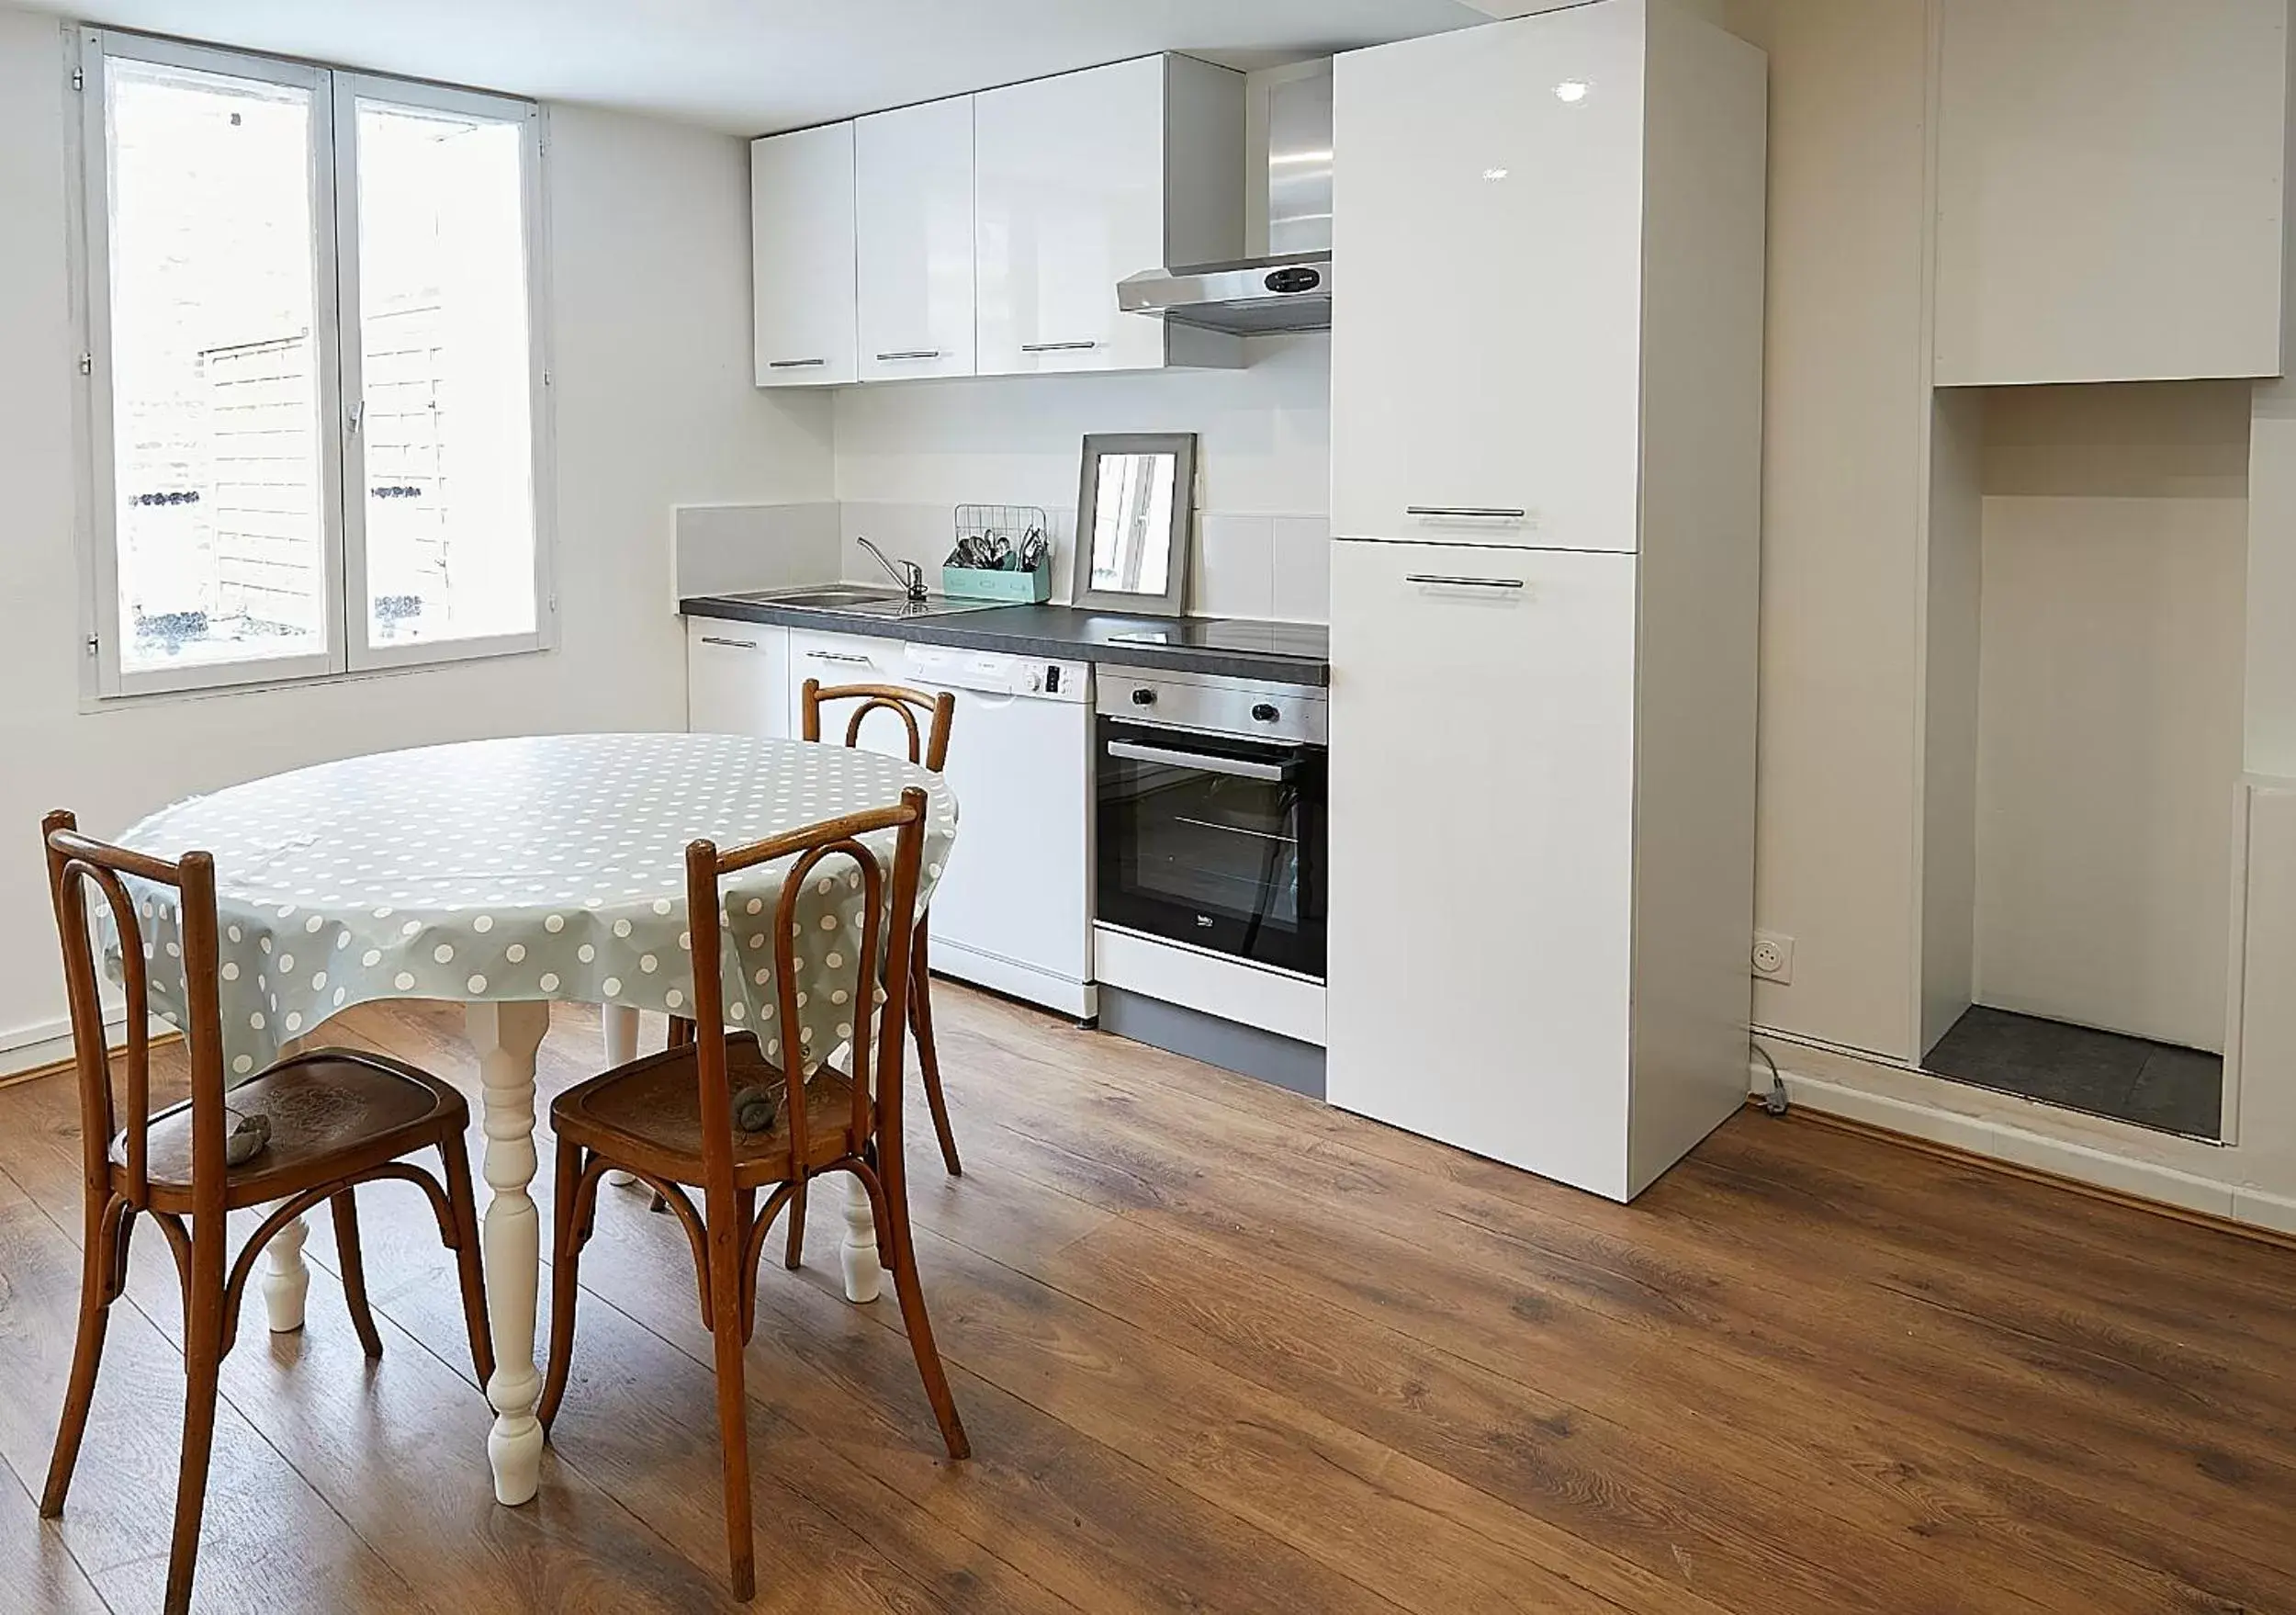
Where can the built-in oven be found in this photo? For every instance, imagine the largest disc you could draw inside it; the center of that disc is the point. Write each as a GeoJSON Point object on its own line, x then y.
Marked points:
{"type": "Point", "coordinates": [1210, 796]}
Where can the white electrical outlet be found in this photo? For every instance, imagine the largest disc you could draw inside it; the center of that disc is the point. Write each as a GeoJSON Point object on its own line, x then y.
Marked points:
{"type": "Point", "coordinates": [1774, 957]}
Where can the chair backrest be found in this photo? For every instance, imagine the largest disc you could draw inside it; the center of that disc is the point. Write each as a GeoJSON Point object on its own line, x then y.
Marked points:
{"type": "Point", "coordinates": [74, 863]}
{"type": "Point", "coordinates": [931, 746]}
{"type": "Point", "coordinates": [888, 931]}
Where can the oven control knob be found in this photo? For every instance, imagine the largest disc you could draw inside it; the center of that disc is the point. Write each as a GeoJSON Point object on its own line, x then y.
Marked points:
{"type": "Point", "coordinates": [1266, 712]}
{"type": "Point", "coordinates": [1143, 697]}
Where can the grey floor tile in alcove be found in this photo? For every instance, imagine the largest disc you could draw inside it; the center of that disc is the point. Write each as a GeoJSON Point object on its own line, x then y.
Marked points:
{"type": "Point", "coordinates": [2104, 1073]}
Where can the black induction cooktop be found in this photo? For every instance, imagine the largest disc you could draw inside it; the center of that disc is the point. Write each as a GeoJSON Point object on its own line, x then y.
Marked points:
{"type": "Point", "coordinates": [1311, 640]}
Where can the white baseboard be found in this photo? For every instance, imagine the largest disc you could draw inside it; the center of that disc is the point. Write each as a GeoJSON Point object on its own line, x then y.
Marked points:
{"type": "Point", "coordinates": [49, 1043]}
{"type": "Point", "coordinates": [1077, 999]}
{"type": "Point", "coordinates": [1860, 1088]}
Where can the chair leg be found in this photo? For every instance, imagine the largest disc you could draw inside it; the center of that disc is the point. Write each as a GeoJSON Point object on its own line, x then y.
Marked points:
{"type": "Point", "coordinates": [891, 1207]}
{"type": "Point", "coordinates": [928, 1056]}
{"type": "Point", "coordinates": [347, 1213]}
{"type": "Point", "coordinates": [203, 1362]}
{"type": "Point", "coordinates": [795, 1255]}
{"type": "Point", "coordinates": [103, 1271]}
{"type": "Point", "coordinates": [566, 1250]}
{"type": "Point", "coordinates": [469, 1271]}
{"type": "Point", "coordinates": [733, 1406]}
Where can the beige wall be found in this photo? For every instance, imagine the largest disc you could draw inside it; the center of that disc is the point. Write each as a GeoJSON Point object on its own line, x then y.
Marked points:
{"type": "Point", "coordinates": [2109, 530]}
{"type": "Point", "coordinates": [2115, 549]}
{"type": "Point", "coordinates": [649, 258]}
{"type": "Point", "coordinates": [1845, 410]}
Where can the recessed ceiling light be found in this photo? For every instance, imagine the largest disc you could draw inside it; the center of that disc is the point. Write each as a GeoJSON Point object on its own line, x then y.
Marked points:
{"type": "Point", "coordinates": [1571, 91]}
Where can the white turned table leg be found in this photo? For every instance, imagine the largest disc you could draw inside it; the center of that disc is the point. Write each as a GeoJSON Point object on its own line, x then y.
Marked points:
{"type": "Point", "coordinates": [285, 1280]}
{"type": "Point", "coordinates": [505, 1036]}
{"type": "Point", "coordinates": [620, 1026]}
{"type": "Point", "coordinates": [864, 1275]}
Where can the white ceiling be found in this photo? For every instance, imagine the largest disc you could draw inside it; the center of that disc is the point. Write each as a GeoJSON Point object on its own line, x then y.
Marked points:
{"type": "Point", "coordinates": [754, 66]}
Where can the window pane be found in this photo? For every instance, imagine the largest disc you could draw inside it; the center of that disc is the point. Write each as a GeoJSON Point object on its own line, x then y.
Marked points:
{"type": "Point", "coordinates": [448, 434]}
{"type": "Point", "coordinates": [214, 368]}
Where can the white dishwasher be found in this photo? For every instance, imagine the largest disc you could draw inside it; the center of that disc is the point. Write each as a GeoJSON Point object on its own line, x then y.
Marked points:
{"type": "Point", "coordinates": [1013, 910]}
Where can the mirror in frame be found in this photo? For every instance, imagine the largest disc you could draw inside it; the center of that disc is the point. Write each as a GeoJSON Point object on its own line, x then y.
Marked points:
{"type": "Point", "coordinates": [1135, 516]}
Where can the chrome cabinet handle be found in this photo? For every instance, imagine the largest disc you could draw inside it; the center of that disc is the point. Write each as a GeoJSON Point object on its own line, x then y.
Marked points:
{"type": "Point", "coordinates": [1242, 768]}
{"type": "Point", "coordinates": [1056, 347]}
{"type": "Point", "coordinates": [1439, 578]}
{"type": "Point", "coordinates": [735, 644]}
{"type": "Point", "coordinates": [840, 656]}
{"type": "Point", "coordinates": [1475, 512]}
{"type": "Point", "coordinates": [793, 364]}
{"type": "Point", "coordinates": [916, 353]}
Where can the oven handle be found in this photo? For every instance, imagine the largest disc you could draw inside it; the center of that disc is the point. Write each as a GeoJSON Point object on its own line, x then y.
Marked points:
{"type": "Point", "coordinates": [1242, 768]}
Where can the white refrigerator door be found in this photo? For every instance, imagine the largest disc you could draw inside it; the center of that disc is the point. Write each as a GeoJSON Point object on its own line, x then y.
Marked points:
{"type": "Point", "coordinates": [1482, 849]}
{"type": "Point", "coordinates": [1487, 216]}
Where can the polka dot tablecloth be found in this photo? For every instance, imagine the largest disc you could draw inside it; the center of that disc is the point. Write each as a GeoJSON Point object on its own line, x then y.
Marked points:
{"type": "Point", "coordinates": [550, 867]}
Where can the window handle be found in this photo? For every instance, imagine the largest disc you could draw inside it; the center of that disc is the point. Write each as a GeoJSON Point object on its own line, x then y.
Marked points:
{"type": "Point", "coordinates": [358, 415]}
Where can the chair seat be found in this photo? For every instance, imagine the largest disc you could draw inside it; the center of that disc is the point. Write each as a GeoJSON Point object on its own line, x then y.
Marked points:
{"type": "Point", "coordinates": [331, 1111]}
{"type": "Point", "coordinates": [648, 1114]}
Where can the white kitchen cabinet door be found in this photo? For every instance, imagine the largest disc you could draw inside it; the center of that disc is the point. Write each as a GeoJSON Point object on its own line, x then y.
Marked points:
{"type": "Point", "coordinates": [802, 258]}
{"type": "Point", "coordinates": [1487, 214]}
{"type": "Point", "coordinates": [2111, 189]}
{"type": "Point", "coordinates": [913, 209]}
{"type": "Point", "coordinates": [1481, 824]}
{"type": "Point", "coordinates": [1069, 199]}
{"type": "Point", "coordinates": [736, 678]}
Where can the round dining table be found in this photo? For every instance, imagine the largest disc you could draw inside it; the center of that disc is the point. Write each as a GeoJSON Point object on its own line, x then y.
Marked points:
{"type": "Point", "coordinates": [510, 875]}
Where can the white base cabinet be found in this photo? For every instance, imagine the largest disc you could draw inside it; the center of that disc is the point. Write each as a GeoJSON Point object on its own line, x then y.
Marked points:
{"type": "Point", "coordinates": [1546, 505]}
{"type": "Point", "coordinates": [737, 679]}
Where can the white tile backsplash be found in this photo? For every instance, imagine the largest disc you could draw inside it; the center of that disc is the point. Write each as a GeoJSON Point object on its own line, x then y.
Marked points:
{"type": "Point", "coordinates": [1235, 567]}
{"type": "Point", "coordinates": [1301, 571]}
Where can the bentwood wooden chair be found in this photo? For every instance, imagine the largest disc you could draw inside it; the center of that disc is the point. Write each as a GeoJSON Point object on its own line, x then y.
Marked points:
{"type": "Point", "coordinates": [670, 1120]}
{"type": "Point", "coordinates": [931, 748]}
{"type": "Point", "coordinates": [929, 744]}
{"type": "Point", "coordinates": [336, 1118]}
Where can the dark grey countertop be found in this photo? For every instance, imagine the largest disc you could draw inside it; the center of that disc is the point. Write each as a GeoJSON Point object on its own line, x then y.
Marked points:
{"type": "Point", "coordinates": [1293, 653]}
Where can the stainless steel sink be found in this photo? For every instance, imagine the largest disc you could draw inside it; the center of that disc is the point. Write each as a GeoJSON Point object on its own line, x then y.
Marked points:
{"type": "Point", "coordinates": [861, 600]}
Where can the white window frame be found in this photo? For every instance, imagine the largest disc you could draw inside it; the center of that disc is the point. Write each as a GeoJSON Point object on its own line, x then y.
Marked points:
{"type": "Point", "coordinates": [334, 221]}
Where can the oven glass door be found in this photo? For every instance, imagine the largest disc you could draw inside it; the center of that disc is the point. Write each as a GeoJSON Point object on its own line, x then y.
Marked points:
{"type": "Point", "coordinates": [1213, 842]}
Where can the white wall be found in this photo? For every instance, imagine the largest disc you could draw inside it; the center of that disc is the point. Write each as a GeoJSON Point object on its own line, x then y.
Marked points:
{"type": "Point", "coordinates": [908, 452]}
{"type": "Point", "coordinates": [1845, 406]}
{"type": "Point", "coordinates": [2115, 545]}
{"type": "Point", "coordinates": [649, 264]}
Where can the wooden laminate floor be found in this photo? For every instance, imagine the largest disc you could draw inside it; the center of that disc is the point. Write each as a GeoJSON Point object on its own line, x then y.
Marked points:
{"type": "Point", "coordinates": [1222, 1348]}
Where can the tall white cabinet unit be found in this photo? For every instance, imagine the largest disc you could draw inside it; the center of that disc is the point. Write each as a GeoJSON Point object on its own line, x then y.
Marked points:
{"type": "Point", "coordinates": [1546, 452]}
{"type": "Point", "coordinates": [1085, 177]}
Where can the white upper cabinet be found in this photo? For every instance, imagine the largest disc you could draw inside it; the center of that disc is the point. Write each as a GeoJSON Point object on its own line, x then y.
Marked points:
{"type": "Point", "coordinates": [801, 228]}
{"type": "Point", "coordinates": [2110, 190]}
{"type": "Point", "coordinates": [912, 188]}
{"type": "Point", "coordinates": [1487, 222]}
{"type": "Point", "coordinates": [1086, 177]}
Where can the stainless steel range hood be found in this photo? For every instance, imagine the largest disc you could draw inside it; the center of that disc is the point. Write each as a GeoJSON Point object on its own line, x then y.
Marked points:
{"type": "Point", "coordinates": [1252, 296]}
{"type": "Point", "coordinates": [1289, 287]}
